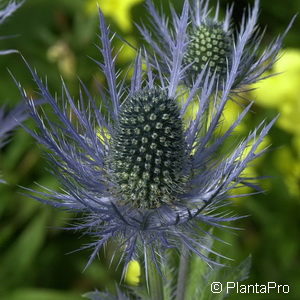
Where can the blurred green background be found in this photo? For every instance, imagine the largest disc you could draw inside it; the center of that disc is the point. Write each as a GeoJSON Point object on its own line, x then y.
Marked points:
{"type": "Point", "coordinates": [57, 37]}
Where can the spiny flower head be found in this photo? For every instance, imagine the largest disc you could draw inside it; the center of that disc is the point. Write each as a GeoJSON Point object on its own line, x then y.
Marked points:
{"type": "Point", "coordinates": [147, 154]}
{"type": "Point", "coordinates": [211, 43]}
{"type": "Point", "coordinates": [143, 175]}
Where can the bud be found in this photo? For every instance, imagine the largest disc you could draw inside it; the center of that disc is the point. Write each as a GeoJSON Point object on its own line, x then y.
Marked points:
{"type": "Point", "coordinates": [133, 273]}
{"type": "Point", "coordinates": [209, 44]}
{"type": "Point", "coordinates": [147, 150]}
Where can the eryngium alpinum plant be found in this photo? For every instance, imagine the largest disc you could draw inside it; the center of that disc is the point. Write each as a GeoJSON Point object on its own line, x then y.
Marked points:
{"type": "Point", "coordinates": [142, 175]}
{"type": "Point", "coordinates": [212, 43]}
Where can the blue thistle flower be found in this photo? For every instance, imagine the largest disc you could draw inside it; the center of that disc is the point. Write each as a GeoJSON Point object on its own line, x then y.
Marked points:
{"type": "Point", "coordinates": [212, 43]}
{"type": "Point", "coordinates": [142, 175]}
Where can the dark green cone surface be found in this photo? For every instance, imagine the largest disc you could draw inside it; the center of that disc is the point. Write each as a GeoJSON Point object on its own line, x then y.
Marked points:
{"type": "Point", "coordinates": [147, 150]}
{"type": "Point", "coordinates": [209, 43]}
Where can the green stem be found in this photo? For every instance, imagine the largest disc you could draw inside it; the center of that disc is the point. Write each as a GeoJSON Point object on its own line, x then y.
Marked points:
{"type": "Point", "coordinates": [154, 279]}
{"type": "Point", "coordinates": [182, 274]}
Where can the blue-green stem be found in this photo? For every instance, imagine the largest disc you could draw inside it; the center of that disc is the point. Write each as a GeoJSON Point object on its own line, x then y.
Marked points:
{"type": "Point", "coordinates": [182, 274]}
{"type": "Point", "coordinates": [153, 278]}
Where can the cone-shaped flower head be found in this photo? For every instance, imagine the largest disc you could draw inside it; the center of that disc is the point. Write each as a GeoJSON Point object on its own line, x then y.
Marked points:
{"type": "Point", "coordinates": [209, 45]}
{"type": "Point", "coordinates": [212, 43]}
{"type": "Point", "coordinates": [143, 175]}
{"type": "Point", "coordinates": [148, 150]}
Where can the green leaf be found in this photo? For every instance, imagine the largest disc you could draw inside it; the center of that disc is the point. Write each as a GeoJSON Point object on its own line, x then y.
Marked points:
{"type": "Point", "coordinates": [20, 256]}
{"type": "Point", "coordinates": [41, 294]}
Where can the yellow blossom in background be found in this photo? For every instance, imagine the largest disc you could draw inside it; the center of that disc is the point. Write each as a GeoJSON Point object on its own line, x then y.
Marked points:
{"type": "Point", "coordinates": [127, 53]}
{"type": "Point", "coordinates": [290, 115]}
{"type": "Point", "coordinates": [289, 166]}
{"type": "Point", "coordinates": [284, 87]}
{"type": "Point", "coordinates": [133, 273]}
{"type": "Point", "coordinates": [250, 170]}
{"type": "Point", "coordinates": [62, 54]}
{"type": "Point", "coordinates": [283, 91]}
{"type": "Point", "coordinates": [103, 134]}
{"type": "Point", "coordinates": [263, 145]}
{"type": "Point", "coordinates": [231, 112]}
{"type": "Point", "coordinates": [296, 145]}
{"type": "Point", "coordinates": [118, 10]}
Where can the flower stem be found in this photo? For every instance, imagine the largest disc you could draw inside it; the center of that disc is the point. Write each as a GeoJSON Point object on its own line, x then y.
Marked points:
{"type": "Point", "coordinates": [182, 274]}
{"type": "Point", "coordinates": [154, 278]}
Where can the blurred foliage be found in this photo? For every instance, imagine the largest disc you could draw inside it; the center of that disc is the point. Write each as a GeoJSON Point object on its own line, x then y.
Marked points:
{"type": "Point", "coordinates": [57, 37]}
{"type": "Point", "coordinates": [118, 10]}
